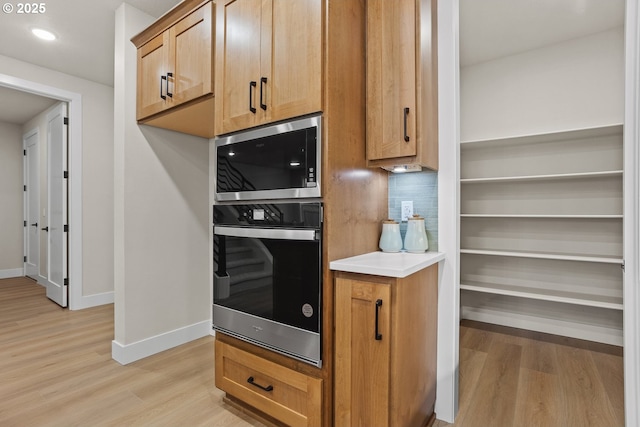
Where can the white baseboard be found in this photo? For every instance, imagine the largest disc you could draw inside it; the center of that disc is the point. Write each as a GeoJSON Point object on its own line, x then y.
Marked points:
{"type": "Point", "coordinates": [88, 301]}
{"type": "Point", "coordinates": [13, 272]}
{"type": "Point", "coordinates": [125, 354]}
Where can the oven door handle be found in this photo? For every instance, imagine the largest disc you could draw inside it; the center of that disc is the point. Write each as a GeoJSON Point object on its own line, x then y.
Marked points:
{"type": "Point", "coordinates": [267, 233]}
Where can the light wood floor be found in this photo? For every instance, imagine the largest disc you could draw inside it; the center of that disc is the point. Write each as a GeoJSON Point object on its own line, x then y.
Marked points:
{"type": "Point", "coordinates": [56, 370]}
{"type": "Point", "coordinates": [511, 377]}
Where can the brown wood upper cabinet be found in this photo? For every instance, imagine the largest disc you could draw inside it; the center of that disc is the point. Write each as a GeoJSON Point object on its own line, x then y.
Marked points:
{"type": "Point", "coordinates": [402, 93]}
{"type": "Point", "coordinates": [268, 61]}
{"type": "Point", "coordinates": [175, 70]}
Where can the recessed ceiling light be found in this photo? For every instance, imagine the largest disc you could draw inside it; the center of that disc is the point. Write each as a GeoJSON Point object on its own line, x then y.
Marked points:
{"type": "Point", "coordinates": [43, 34]}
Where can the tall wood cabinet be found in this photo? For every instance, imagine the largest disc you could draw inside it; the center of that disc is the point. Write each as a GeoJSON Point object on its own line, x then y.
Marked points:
{"type": "Point", "coordinates": [314, 51]}
{"type": "Point", "coordinates": [268, 63]}
{"type": "Point", "coordinates": [541, 237]}
{"type": "Point", "coordinates": [175, 70]}
{"type": "Point", "coordinates": [385, 373]}
{"type": "Point", "coordinates": [402, 93]}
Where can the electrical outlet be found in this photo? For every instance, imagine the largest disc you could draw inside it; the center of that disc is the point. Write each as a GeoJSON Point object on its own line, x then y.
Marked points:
{"type": "Point", "coordinates": [407, 210]}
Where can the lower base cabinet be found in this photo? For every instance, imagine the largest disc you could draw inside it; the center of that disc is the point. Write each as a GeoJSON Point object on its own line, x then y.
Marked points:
{"type": "Point", "coordinates": [385, 349]}
{"type": "Point", "coordinates": [291, 397]}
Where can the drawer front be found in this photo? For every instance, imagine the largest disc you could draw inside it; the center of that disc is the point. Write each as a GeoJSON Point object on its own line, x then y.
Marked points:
{"type": "Point", "coordinates": [289, 396]}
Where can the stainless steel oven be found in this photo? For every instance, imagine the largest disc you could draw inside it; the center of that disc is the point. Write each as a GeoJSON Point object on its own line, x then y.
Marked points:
{"type": "Point", "coordinates": [279, 161]}
{"type": "Point", "coordinates": [268, 276]}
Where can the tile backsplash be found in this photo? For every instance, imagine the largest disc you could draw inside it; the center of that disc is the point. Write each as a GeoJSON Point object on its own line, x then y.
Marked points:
{"type": "Point", "coordinates": [422, 189]}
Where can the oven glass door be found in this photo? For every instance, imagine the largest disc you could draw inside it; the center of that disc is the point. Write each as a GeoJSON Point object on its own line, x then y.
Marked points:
{"type": "Point", "coordinates": [272, 274]}
{"type": "Point", "coordinates": [276, 162]}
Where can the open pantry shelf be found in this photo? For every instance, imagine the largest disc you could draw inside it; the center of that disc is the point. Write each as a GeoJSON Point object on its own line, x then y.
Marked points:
{"type": "Point", "coordinates": [541, 232]}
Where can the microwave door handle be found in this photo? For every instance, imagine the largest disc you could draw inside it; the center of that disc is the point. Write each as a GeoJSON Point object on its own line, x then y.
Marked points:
{"type": "Point", "coordinates": [266, 233]}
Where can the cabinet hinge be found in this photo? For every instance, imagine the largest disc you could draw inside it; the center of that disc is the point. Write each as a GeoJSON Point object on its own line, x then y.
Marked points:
{"type": "Point", "coordinates": [66, 120]}
{"type": "Point", "coordinates": [25, 258]}
{"type": "Point", "coordinates": [66, 174]}
{"type": "Point", "coordinates": [622, 265]}
{"type": "Point", "coordinates": [25, 188]}
{"type": "Point", "coordinates": [66, 281]}
{"type": "Point", "coordinates": [66, 228]}
{"type": "Point", "coordinates": [25, 223]}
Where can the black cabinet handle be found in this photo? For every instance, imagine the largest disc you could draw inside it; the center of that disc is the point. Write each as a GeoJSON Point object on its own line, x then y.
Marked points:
{"type": "Point", "coordinates": [378, 305]}
{"type": "Point", "coordinates": [169, 94]}
{"type": "Point", "coordinates": [406, 113]}
{"type": "Point", "coordinates": [45, 229]}
{"type": "Point", "coordinates": [263, 81]}
{"type": "Point", "coordinates": [251, 86]}
{"type": "Point", "coordinates": [251, 381]}
{"type": "Point", "coordinates": [161, 93]}
{"type": "Point", "coordinates": [34, 225]}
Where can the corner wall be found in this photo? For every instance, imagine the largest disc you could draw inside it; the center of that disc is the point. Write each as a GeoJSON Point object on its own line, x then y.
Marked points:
{"type": "Point", "coordinates": [11, 200]}
{"type": "Point", "coordinates": [161, 228]}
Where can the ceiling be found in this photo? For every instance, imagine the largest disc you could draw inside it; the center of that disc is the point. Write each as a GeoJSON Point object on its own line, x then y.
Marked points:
{"type": "Point", "coordinates": [85, 31]}
{"type": "Point", "coordinates": [491, 29]}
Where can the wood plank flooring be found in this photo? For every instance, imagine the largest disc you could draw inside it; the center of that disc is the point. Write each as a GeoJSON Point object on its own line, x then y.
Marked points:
{"type": "Point", "coordinates": [56, 370]}
{"type": "Point", "coordinates": [513, 378]}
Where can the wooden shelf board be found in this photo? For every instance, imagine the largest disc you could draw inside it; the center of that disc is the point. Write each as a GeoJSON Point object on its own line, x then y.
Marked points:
{"type": "Point", "coordinates": [548, 177]}
{"type": "Point", "coordinates": [614, 129]}
{"type": "Point", "coordinates": [545, 255]}
{"type": "Point", "coordinates": [554, 295]}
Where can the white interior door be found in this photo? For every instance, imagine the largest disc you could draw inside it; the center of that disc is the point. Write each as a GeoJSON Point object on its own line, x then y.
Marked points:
{"type": "Point", "coordinates": [57, 205]}
{"type": "Point", "coordinates": [32, 204]}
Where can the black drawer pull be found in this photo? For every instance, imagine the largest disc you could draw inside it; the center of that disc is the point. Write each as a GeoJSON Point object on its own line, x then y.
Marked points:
{"type": "Point", "coordinates": [252, 85]}
{"type": "Point", "coordinates": [251, 381]}
{"type": "Point", "coordinates": [169, 94]}
{"type": "Point", "coordinates": [263, 81]}
{"type": "Point", "coordinates": [378, 305]}
{"type": "Point", "coordinates": [406, 113]}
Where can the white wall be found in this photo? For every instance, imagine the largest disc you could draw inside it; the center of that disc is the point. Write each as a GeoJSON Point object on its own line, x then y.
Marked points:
{"type": "Point", "coordinates": [97, 172]}
{"type": "Point", "coordinates": [162, 295]}
{"type": "Point", "coordinates": [578, 83]}
{"type": "Point", "coordinates": [11, 199]}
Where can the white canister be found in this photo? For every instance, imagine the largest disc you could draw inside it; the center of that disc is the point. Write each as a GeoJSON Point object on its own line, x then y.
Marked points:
{"type": "Point", "coordinates": [416, 238]}
{"type": "Point", "coordinates": [390, 240]}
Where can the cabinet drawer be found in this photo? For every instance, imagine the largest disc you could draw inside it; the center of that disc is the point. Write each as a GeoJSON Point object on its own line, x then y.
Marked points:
{"type": "Point", "coordinates": [289, 396]}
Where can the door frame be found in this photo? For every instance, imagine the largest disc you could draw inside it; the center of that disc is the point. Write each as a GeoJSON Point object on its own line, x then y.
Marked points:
{"type": "Point", "coordinates": [25, 196]}
{"type": "Point", "coordinates": [74, 103]}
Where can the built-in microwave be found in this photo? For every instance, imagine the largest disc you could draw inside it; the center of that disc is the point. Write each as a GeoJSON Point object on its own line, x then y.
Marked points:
{"type": "Point", "coordinates": [279, 161]}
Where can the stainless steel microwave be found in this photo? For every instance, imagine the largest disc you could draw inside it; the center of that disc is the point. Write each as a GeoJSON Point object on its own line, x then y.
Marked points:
{"type": "Point", "coordinates": [279, 161]}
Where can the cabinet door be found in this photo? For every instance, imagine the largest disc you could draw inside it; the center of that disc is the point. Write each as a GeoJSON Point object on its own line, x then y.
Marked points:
{"type": "Point", "coordinates": [292, 59]}
{"type": "Point", "coordinates": [238, 26]}
{"type": "Point", "coordinates": [153, 59]}
{"type": "Point", "coordinates": [192, 56]}
{"type": "Point", "coordinates": [361, 359]}
{"type": "Point", "coordinates": [391, 79]}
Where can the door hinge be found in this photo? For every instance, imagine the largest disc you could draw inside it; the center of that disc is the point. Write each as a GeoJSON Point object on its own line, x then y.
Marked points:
{"type": "Point", "coordinates": [622, 265]}
{"type": "Point", "coordinates": [66, 174]}
{"type": "Point", "coordinates": [25, 188]}
{"type": "Point", "coordinates": [24, 152]}
{"type": "Point", "coordinates": [25, 223]}
{"type": "Point", "coordinates": [25, 258]}
{"type": "Point", "coordinates": [66, 281]}
{"type": "Point", "coordinates": [66, 228]}
{"type": "Point", "coordinates": [66, 120]}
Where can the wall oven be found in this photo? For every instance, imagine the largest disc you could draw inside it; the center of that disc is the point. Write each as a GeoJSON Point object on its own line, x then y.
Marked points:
{"type": "Point", "coordinates": [280, 161]}
{"type": "Point", "coordinates": [268, 276]}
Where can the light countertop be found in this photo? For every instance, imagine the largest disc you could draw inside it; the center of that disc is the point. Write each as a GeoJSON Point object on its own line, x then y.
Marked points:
{"type": "Point", "coordinates": [397, 264]}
